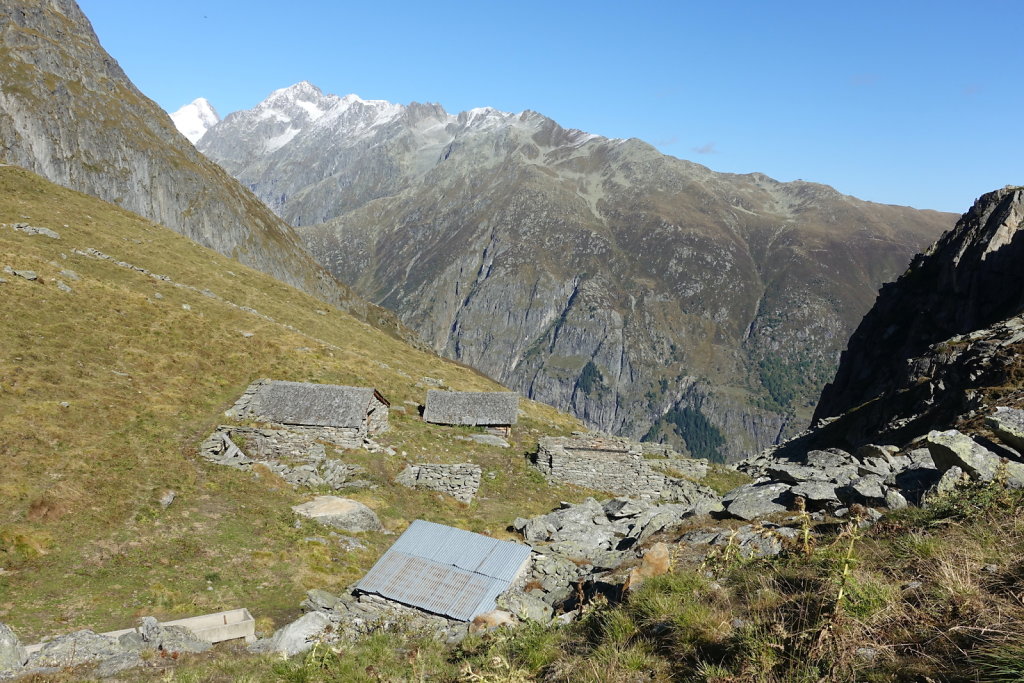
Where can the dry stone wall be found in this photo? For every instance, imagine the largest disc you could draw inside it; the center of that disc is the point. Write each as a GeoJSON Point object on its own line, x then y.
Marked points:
{"type": "Point", "coordinates": [610, 464]}
{"type": "Point", "coordinates": [461, 482]}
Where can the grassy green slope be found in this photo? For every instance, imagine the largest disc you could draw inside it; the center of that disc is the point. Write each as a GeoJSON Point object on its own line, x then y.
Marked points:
{"type": "Point", "coordinates": [146, 369]}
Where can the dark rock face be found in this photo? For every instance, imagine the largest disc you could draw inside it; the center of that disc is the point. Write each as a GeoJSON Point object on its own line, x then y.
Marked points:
{"type": "Point", "coordinates": [645, 294]}
{"type": "Point", "coordinates": [971, 279]}
{"type": "Point", "coordinates": [69, 113]}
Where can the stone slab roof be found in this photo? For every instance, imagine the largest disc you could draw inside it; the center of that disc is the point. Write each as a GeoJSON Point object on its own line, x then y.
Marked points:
{"type": "Point", "coordinates": [302, 403]}
{"type": "Point", "coordinates": [473, 408]}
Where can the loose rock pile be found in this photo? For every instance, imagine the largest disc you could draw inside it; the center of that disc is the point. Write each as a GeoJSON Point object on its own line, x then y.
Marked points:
{"type": "Point", "coordinates": [461, 482]}
{"type": "Point", "coordinates": [881, 476]}
{"type": "Point", "coordinates": [294, 457]}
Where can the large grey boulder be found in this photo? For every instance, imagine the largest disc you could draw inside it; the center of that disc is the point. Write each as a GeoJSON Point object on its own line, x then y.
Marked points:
{"type": "Point", "coordinates": [951, 448]}
{"type": "Point", "coordinates": [1008, 424]}
{"type": "Point", "coordinates": [817, 494]}
{"type": "Point", "coordinates": [342, 513]}
{"type": "Point", "coordinates": [119, 663]}
{"type": "Point", "coordinates": [298, 636]}
{"type": "Point", "coordinates": [171, 638]}
{"type": "Point", "coordinates": [525, 606]}
{"type": "Point", "coordinates": [12, 654]}
{"type": "Point", "coordinates": [866, 490]}
{"type": "Point", "coordinates": [751, 501]}
{"type": "Point", "coordinates": [75, 648]}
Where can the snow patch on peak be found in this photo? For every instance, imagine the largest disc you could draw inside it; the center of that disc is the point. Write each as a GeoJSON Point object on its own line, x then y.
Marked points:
{"type": "Point", "coordinates": [195, 118]}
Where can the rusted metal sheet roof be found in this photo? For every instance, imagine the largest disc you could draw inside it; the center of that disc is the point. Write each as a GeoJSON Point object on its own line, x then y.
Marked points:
{"type": "Point", "coordinates": [445, 570]}
{"type": "Point", "coordinates": [474, 408]}
{"type": "Point", "coordinates": [302, 403]}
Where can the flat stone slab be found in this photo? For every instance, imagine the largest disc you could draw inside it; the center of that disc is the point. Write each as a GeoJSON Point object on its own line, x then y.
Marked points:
{"type": "Point", "coordinates": [751, 501]}
{"type": "Point", "coordinates": [341, 513]}
{"type": "Point", "coordinates": [490, 440]}
{"type": "Point", "coordinates": [1008, 424]}
{"type": "Point", "coordinates": [951, 448]}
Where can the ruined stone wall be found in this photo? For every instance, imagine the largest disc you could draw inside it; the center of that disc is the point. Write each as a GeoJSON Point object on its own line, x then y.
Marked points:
{"type": "Point", "coordinates": [606, 465]}
{"type": "Point", "coordinates": [296, 458]}
{"type": "Point", "coordinates": [461, 482]}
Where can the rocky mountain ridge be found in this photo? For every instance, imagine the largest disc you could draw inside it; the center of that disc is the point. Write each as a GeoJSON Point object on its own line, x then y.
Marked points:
{"type": "Point", "coordinates": [967, 281]}
{"type": "Point", "coordinates": [69, 113]}
{"type": "Point", "coordinates": [648, 295]}
{"type": "Point", "coordinates": [936, 363]}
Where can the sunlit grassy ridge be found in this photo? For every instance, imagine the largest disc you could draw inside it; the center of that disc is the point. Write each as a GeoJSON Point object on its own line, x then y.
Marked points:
{"type": "Point", "coordinates": [146, 370]}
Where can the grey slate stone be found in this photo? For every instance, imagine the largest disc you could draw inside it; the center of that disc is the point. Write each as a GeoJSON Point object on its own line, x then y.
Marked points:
{"type": "Point", "coordinates": [12, 654]}
{"type": "Point", "coordinates": [75, 648]}
{"type": "Point", "coordinates": [119, 663]}
{"type": "Point", "coordinates": [342, 513]}
{"type": "Point", "coordinates": [751, 501]}
{"type": "Point", "coordinates": [951, 448]}
{"type": "Point", "coordinates": [300, 635]}
{"type": "Point", "coordinates": [1008, 424]}
{"type": "Point", "coordinates": [894, 500]}
{"type": "Point", "coordinates": [525, 607]}
{"type": "Point", "coordinates": [866, 490]}
{"type": "Point", "coordinates": [818, 494]}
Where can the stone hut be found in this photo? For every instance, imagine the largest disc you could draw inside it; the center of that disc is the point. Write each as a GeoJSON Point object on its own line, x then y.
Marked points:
{"type": "Point", "coordinates": [341, 415]}
{"type": "Point", "coordinates": [495, 410]}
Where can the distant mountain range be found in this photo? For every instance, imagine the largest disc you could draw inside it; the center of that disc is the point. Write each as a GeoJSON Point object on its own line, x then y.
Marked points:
{"type": "Point", "coordinates": [650, 296]}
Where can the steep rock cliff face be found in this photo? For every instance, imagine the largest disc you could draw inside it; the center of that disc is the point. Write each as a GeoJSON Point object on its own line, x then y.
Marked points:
{"type": "Point", "coordinates": [648, 295]}
{"type": "Point", "coordinates": [969, 279]}
{"type": "Point", "coordinates": [69, 113]}
{"type": "Point", "coordinates": [942, 346]}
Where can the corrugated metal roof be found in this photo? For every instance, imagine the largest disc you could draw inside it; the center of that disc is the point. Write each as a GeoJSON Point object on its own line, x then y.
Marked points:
{"type": "Point", "coordinates": [471, 407]}
{"type": "Point", "coordinates": [302, 403]}
{"type": "Point", "coordinates": [445, 570]}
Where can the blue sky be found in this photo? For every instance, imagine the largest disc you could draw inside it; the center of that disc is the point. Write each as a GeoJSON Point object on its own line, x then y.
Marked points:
{"type": "Point", "coordinates": [916, 103]}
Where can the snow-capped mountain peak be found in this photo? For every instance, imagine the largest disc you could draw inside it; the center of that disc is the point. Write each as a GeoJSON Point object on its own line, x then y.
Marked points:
{"type": "Point", "coordinates": [195, 118]}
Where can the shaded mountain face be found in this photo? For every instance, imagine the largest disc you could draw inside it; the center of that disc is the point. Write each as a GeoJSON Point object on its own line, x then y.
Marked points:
{"type": "Point", "coordinates": [69, 113]}
{"type": "Point", "coordinates": [648, 295]}
{"type": "Point", "coordinates": [942, 347]}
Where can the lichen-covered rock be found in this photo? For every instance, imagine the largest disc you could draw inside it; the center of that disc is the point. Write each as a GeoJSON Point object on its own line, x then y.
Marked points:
{"type": "Point", "coordinates": [1008, 424]}
{"type": "Point", "coordinates": [298, 636]}
{"type": "Point", "coordinates": [525, 606]}
{"type": "Point", "coordinates": [12, 653]}
{"type": "Point", "coordinates": [342, 513]}
{"type": "Point", "coordinates": [951, 448]}
{"type": "Point", "coordinates": [751, 501]}
{"type": "Point", "coordinates": [75, 648]}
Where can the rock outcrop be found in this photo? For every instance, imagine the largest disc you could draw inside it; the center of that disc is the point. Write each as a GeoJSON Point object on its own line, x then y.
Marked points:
{"type": "Point", "coordinates": [967, 282]}
{"type": "Point", "coordinates": [934, 370]}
